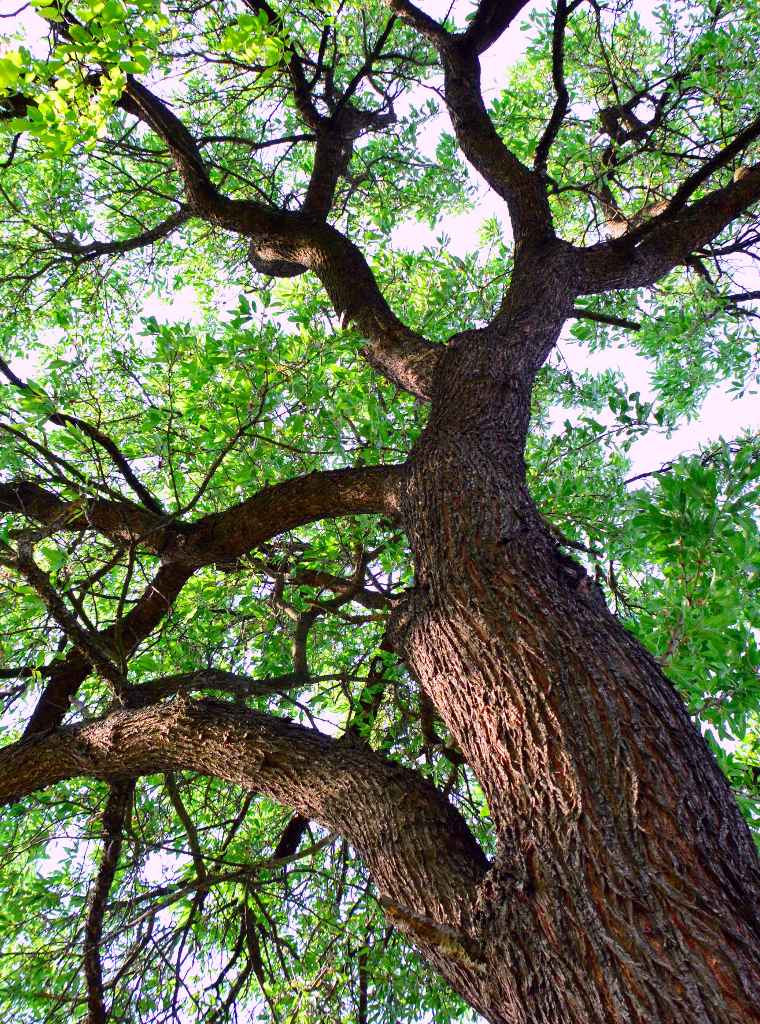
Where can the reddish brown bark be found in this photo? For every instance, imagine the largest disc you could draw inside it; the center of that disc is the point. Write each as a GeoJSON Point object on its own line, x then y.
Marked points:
{"type": "Point", "coordinates": [415, 843]}
{"type": "Point", "coordinates": [625, 887]}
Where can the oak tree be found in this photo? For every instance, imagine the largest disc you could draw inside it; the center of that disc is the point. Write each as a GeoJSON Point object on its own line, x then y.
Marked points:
{"type": "Point", "coordinates": [334, 619]}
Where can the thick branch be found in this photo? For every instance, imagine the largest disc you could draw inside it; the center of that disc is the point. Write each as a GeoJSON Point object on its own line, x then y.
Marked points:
{"type": "Point", "coordinates": [291, 241]}
{"type": "Point", "coordinates": [621, 264]}
{"type": "Point", "coordinates": [687, 189]}
{"type": "Point", "coordinates": [290, 837]}
{"type": "Point", "coordinates": [478, 139]}
{"type": "Point", "coordinates": [399, 353]}
{"type": "Point", "coordinates": [414, 842]}
{"type": "Point", "coordinates": [143, 104]}
{"type": "Point", "coordinates": [492, 19]}
{"type": "Point", "coordinates": [225, 536]}
{"type": "Point", "coordinates": [332, 155]}
{"type": "Point", "coordinates": [335, 135]}
{"type": "Point", "coordinates": [119, 521]}
{"type": "Point", "coordinates": [423, 23]}
{"type": "Point", "coordinates": [222, 536]}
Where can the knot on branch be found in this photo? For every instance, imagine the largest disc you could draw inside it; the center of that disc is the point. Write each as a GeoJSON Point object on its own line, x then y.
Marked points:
{"type": "Point", "coordinates": [449, 941]}
{"type": "Point", "coordinates": [266, 261]}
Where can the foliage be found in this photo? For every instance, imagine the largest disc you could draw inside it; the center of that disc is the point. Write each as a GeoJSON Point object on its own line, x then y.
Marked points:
{"type": "Point", "coordinates": [214, 381]}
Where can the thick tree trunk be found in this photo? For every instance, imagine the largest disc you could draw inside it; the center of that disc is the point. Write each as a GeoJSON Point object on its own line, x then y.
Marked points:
{"type": "Point", "coordinates": [625, 888]}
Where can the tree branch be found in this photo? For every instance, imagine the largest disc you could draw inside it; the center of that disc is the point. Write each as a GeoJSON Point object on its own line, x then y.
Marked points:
{"type": "Point", "coordinates": [114, 817]}
{"type": "Point", "coordinates": [687, 189]}
{"type": "Point", "coordinates": [89, 646]}
{"type": "Point", "coordinates": [151, 692]}
{"type": "Point", "coordinates": [101, 439]}
{"type": "Point", "coordinates": [492, 19]}
{"type": "Point", "coordinates": [91, 250]}
{"type": "Point", "coordinates": [340, 585]}
{"type": "Point", "coordinates": [335, 136]}
{"type": "Point", "coordinates": [225, 536]}
{"type": "Point", "coordinates": [221, 537]}
{"type": "Point", "coordinates": [291, 836]}
{"type": "Point", "coordinates": [287, 242]}
{"type": "Point", "coordinates": [623, 264]}
{"type": "Point", "coordinates": [522, 189]}
{"type": "Point", "coordinates": [606, 318]}
{"type": "Point", "coordinates": [65, 677]}
{"type": "Point", "coordinates": [143, 104]}
{"type": "Point", "coordinates": [418, 848]}
{"type": "Point", "coordinates": [563, 96]}
{"type": "Point", "coordinates": [188, 824]}
{"type": "Point", "coordinates": [284, 237]}
{"type": "Point", "coordinates": [423, 23]}
{"type": "Point", "coordinates": [119, 521]}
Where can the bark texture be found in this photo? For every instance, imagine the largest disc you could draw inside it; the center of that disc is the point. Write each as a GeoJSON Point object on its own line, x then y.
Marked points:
{"type": "Point", "coordinates": [415, 843]}
{"type": "Point", "coordinates": [625, 888]}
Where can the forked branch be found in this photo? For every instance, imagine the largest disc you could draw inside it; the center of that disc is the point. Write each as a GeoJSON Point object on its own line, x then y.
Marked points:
{"type": "Point", "coordinates": [522, 189]}
{"type": "Point", "coordinates": [65, 677]}
{"type": "Point", "coordinates": [670, 241]}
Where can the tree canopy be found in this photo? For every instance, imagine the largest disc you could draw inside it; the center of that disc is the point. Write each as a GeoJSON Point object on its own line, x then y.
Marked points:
{"type": "Point", "coordinates": [226, 282]}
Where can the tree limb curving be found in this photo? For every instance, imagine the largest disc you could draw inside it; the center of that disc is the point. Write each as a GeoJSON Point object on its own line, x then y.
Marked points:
{"type": "Point", "coordinates": [416, 844]}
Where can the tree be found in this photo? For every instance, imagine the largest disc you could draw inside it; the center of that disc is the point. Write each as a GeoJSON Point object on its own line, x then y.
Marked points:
{"type": "Point", "coordinates": [325, 646]}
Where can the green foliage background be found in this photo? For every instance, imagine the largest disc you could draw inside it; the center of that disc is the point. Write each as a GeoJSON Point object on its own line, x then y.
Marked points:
{"type": "Point", "coordinates": [259, 380]}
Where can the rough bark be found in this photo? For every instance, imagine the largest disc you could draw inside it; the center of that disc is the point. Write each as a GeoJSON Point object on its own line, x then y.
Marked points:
{"type": "Point", "coordinates": [625, 889]}
{"type": "Point", "coordinates": [625, 886]}
{"type": "Point", "coordinates": [416, 844]}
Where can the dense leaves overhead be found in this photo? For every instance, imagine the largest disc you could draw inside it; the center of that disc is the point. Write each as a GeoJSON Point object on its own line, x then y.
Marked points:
{"type": "Point", "coordinates": [163, 362]}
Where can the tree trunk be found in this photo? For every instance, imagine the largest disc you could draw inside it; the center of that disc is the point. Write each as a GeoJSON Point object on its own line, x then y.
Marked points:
{"type": "Point", "coordinates": [625, 886]}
